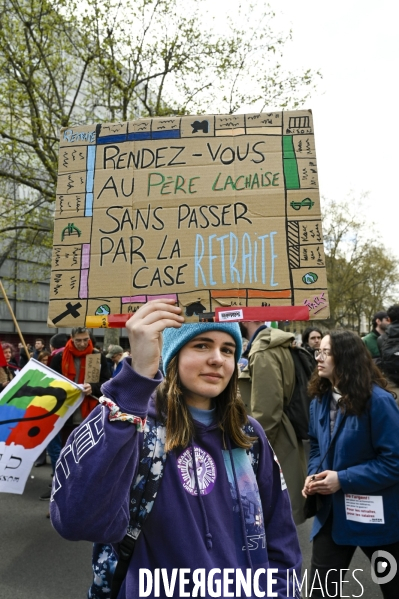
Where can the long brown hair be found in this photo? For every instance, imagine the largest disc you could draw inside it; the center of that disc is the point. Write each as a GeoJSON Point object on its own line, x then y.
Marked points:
{"type": "Point", "coordinates": [355, 373]}
{"type": "Point", "coordinates": [173, 411]}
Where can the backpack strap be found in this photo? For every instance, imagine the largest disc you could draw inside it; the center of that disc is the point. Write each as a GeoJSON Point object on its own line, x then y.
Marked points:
{"type": "Point", "coordinates": [142, 496]}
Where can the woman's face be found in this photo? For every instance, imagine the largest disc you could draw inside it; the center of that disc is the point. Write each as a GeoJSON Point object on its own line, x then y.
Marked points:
{"type": "Point", "coordinates": [44, 360]}
{"type": "Point", "coordinates": [7, 353]}
{"type": "Point", "coordinates": [325, 361]}
{"type": "Point", "coordinates": [206, 365]}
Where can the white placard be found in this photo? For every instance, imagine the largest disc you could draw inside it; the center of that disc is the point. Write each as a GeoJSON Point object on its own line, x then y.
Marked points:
{"type": "Point", "coordinates": [368, 509]}
{"type": "Point", "coordinates": [228, 315]}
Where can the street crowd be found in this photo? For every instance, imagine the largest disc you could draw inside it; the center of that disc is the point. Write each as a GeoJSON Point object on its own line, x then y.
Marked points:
{"type": "Point", "coordinates": [211, 442]}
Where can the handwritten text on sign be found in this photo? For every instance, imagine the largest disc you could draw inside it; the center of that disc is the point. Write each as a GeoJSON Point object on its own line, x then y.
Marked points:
{"type": "Point", "coordinates": [211, 210]}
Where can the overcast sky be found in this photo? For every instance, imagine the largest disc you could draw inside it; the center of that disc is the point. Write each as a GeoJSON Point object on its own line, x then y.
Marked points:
{"type": "Point", "coordinates": [355, 108]}
{"type": "Point", "coordinates": [356, 114]}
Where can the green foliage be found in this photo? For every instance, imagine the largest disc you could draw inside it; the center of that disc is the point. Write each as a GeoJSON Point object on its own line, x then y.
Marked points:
{"type": "Point", "coordinates": [362, 276]}
{"type": "Point", "coordinates": [65, 62]}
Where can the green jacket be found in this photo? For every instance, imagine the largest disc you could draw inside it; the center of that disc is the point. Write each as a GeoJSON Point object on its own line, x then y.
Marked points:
{"type": "Point", "coordinates": [266, 386]}
{"type": "Point", "coordinates": [370, 342]}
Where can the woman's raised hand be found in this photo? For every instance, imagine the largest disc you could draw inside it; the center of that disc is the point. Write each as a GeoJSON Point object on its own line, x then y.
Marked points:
{"type": "Point", "coordinates": [145, 333]}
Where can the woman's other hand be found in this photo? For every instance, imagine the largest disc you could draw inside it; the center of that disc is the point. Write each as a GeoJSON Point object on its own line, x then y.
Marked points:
{"type": "Point", "coordinates": [145, 328]}
{"type": "Point", "coordinates": [325, 483]}
{"type": "Point", "coordinates": [307, 489]}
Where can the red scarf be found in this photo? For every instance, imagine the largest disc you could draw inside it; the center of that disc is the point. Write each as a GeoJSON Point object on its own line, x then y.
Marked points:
{"type": "Point", "coordinates": [68, 365]}
{"type": "Point", "coordinates": [69, 370]}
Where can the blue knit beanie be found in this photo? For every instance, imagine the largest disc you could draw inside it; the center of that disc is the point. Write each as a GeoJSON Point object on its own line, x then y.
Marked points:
{"type": "Point", "coordinates": [174, 339]}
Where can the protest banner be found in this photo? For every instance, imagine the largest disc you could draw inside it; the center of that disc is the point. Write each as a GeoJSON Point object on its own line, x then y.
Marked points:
{"type": "Point", "coordinates": [33, 408]}
{"type": "Point", "coordinates": [211, 210]}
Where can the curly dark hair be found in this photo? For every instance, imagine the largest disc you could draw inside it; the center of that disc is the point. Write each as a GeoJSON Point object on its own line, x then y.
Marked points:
{"type": "Point", "coordinates": [355, 372]}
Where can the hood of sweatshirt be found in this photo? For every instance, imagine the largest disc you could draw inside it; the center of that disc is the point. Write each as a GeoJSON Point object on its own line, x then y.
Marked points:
{"type": "Point", "coordinates": [269, 338]}
{"type": "Point", "coordinates": [393, 330]}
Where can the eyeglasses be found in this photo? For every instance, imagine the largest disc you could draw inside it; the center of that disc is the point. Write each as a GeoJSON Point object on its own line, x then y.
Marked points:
{"type": "Point", "coordinates": [322, 353]}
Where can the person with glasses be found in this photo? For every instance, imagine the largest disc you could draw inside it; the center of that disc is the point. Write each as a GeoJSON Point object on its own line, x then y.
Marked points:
{"type": "Point", "coordinates": [353, 465]}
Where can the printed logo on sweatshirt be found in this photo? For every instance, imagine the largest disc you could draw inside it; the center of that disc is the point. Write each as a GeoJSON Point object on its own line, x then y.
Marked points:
{"type": "Point", "coordinates": [206, 471]}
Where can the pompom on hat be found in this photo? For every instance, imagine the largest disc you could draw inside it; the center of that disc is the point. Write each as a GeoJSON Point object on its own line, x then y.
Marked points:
{"type": "Point", "coordinates": [174, 339]}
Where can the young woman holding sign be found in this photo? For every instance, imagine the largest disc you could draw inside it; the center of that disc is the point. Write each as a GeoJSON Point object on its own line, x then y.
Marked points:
{"type": "Point", "coordinates": [213, 518]}
{"type": "Point", "coordinates": [353, 466]}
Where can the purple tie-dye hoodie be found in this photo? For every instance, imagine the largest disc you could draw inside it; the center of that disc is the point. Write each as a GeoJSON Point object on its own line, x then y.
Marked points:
{"type": "Point", "coordinates": [235, 521]}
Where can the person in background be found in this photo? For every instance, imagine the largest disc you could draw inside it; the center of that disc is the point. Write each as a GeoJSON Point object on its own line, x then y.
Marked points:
{"type": "Point", "coordinates": [266, 385]}
{"type": "Point", "coordinates": [39, 347]}
{"type": "Point", "coordinates": [44, 357]}
{"type": "Point", "coordinates": [23, 358]}
{"type": "Point", "coordinates": [7, 372]}
{"type": "Point", "coordinates": [243, 362]}
{"type": "Point", "coordinates": [71, 363]}
{"type": "Point", "coordinates": [311, 339]}
{"type": "Point", "coordinates": [357, 414]}
{"type": "Point", "coordinates": [115, 354]}
{"type": "Point", "coordinates": [380, 323]}
{"type": "Point", "coordinates": [57, 344]}
{"type": "Point", "coordinates": [9, 352]}
{"type": "Point", "coordinates": [388, 344]}
{"type": "Point", "coordinates": [218, 511]}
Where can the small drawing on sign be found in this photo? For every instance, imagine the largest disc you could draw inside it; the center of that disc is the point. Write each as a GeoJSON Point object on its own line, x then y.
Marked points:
{"type": "Point", "coordinates": [70, 229]}
{"type": "Point", "coordinates": [70, 310]}
{"type": "Point", "coordinates": [195, 308]}
{"type": "Point", "coordinates": [103, 309]}
{"type": "Point", "coordinates": [309, 278]}
{"type": "Point", "coordinates": [200, 126]}
{"type": "Point", "coordinates": [306, 203]}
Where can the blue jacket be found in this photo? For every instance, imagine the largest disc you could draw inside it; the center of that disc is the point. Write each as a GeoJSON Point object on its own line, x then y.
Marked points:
{"type": "Point", "coordinates": [366, 457]}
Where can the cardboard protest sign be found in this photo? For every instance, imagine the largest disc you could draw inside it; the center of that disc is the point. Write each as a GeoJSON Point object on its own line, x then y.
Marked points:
{"type": "Point", "coordinates": [210, 210]}
{"type": "Point", "coordinates": [93, 368]}
{"type": "Point", "coordinates": [33, 409]}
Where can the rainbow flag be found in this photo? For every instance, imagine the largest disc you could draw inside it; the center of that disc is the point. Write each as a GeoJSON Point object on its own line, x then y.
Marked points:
{"type": "Point", "coordinates": [33, 409]}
